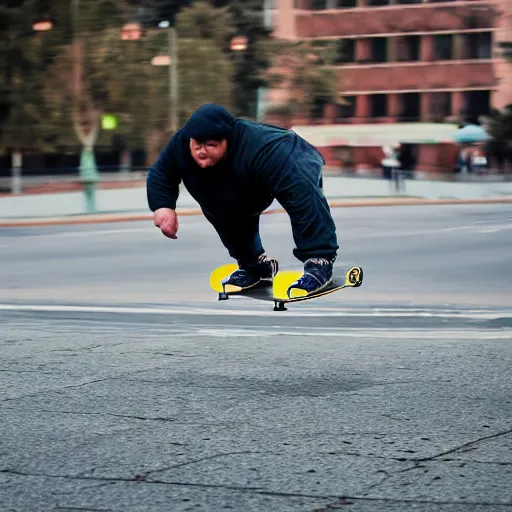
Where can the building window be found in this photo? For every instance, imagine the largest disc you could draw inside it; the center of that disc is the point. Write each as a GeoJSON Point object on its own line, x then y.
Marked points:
{"type": "Point", "coordinates": [379, 46]}
{"type": "Point", "coordinates": [479, 46]}
{"type": "Point", "coordinates": [409, 1]}
{"type": "Point", "coordinates": [478, 103]}
{"type": "Point", "coordinates": [408, 48]}
{"type": "Point", "coordinates": [348, 108]}
{"type": "Point", "coordinates": [378, 105]}
{"type": "Point", "coordinates": [410, 107]}
{"type": "Point", "coordinates": [443, 45]}
{"type": "Point", "coordinates": [346, 4]}
{"type": "Point", "coordinates": [318, 5]}
{"type": "Point", "coordinates": [440, 105]}
{"type": "Point", "coordinates": [377, 3]}
{"type": "Point", "coordinates": [345, 51]}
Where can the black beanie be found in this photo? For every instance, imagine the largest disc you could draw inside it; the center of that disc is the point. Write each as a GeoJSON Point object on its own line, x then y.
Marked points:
{"type": "Point", "coordinates": [209, 122]}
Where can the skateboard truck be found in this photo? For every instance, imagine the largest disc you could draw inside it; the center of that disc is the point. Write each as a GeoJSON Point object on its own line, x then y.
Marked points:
{"type": "Point", "coordinates": [279, 306]}
{"type": "Point", "coordinates": [223, 295]}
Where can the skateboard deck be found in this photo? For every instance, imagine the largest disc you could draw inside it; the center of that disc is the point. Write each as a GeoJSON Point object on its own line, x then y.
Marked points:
{"type": "Point", "coordinates": [256, 292]}
{"type": "Point", "coordinates": [276, 291]}
{"type": "Point", "coordinates": [351, 278]}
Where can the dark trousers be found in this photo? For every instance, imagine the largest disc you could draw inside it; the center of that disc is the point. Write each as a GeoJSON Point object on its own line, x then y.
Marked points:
{"type": "Point", "coordinates": [314, 232]}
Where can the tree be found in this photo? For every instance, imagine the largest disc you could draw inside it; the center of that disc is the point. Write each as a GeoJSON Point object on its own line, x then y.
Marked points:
{"type": "Point", "coordinates": [205, 72]}
{"type": "Point", "coordinates": [113, 77]}
{"type": "Point", "coordinates": [65, 79]}
{"type": "Point", "coordinates": [301, 70]}
{"type": "Point", "coordinates": [24, 55]}
{"type": "Point", "coordinates": [251, 63]}
{"type": "Point", "coordinates": [205, 75]}
{"type": "Point", "coordinates": [204, 21]}
{"type": "Point", "coordinates": [165, 9]}
{"type": "Point", "coordinates": [205, 69]}
{"type": "Point", "coordinates": [499, 126]}
{"type": "Point", "coordinates": [55, 74]}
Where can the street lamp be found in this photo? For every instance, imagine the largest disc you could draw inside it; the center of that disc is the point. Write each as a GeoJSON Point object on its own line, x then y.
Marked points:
{"type": "Point", "coordinates": [161, 60]}
{"type": "Point", "coordinates": [131, 32]}
{"type": "Point", "coordinates": [171, 60]}
{"type": "Point", "coordinates": [238, 43]}
{"type": "Point", "coordinates": [42, 26]}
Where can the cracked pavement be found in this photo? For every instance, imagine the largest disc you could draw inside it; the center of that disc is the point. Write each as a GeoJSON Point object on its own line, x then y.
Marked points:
{"type": "Point", "coordinates": [408, 408]}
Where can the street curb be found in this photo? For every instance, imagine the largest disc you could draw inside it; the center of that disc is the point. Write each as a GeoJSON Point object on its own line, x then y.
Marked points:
{"type": "Point", "coordinates": [335, 203]}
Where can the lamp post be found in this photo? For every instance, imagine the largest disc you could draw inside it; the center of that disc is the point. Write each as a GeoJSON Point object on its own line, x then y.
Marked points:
{"type": "Point", "coordinates": [171, 60]}
{"type": "Point", "coordinates": [238, 45]}
{"type": "Point", "coordinates": [133, 32]}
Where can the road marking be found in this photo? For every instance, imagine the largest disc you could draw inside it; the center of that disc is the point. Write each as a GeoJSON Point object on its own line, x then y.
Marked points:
{"type": "Point", "coordinates": [168, 332]}
{"type": "Point", "coordinates": [382, 333]}
{"type": "Point", "coordinates": [483, 314]}
{"type": "Point", "coordinates": [71, 234]}
{"type": "Point", "coordinates": [494, 229]}
{"type": "Point", "coordinates": [479, 229]}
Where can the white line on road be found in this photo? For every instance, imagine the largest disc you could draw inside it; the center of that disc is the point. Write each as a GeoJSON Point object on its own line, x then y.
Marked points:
{"type": "Point", "coordinates": [479, 229]}
{"type": "Point", "coordinates": [473, 228]}
{"type": "Point", "coordinates": [98, 232]}
{"type": "Point", "coordinates": [494, 229]}
{"type": "Point", "coordinates": [341, 312]}
{"type": "Point", "coordinates": [354, 333]}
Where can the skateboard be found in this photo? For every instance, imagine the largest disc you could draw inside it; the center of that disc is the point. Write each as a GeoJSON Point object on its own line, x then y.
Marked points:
{"type": "Point", "coordinates": [276, 291]}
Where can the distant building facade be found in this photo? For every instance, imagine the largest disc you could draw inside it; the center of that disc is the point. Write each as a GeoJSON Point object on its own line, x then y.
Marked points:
{"type": "Point", "coordinates": [402, 61]}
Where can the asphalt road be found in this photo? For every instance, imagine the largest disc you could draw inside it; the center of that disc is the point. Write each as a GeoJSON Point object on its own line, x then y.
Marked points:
{"type": "Point", "coordinates": [125, 386]}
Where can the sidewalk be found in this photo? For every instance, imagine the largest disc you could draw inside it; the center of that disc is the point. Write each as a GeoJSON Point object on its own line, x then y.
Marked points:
{"type": "Point", "coordinates": [130, 203]}
{"type": "Point", "coordinates": [99, 218]}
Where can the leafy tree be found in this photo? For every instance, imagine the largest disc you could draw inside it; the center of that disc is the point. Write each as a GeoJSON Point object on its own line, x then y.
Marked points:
{"type": "Point", "coordinates": [112, 76]}
{"type": "Point", "coordinates": [205, 70]}
{"type": "Point", "coordinates": [203, 21]}
{"type": "Point", "coordinates": [301, 70]}
{"type": "Point", "coordinates": [499, 126]}
{"type": "Point", "coordinates": [59, 83]}
{"type": "Point", "coordinates": [24, 57]}
{"type": "Point", "coordinates": [164, 9]}
{"type": "Point", "coordinates": [52, 74]}
{"type": "Point", "coordinates": [251, 63]}
{"type": "Point", "coordinates": [205, 75]}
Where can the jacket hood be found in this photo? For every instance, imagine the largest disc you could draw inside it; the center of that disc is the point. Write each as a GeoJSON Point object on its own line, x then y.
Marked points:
{"type": "Point", "coordinates": [209, 122]}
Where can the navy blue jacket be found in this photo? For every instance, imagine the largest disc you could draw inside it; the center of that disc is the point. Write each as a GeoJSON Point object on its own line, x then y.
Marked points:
{"type": "Point", "coordinates": [261, 164]}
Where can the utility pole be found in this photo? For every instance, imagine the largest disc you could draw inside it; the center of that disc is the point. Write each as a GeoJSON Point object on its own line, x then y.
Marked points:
{"type": "Point", "coordinates": [173, 79]}
{"type": "Point", "coordinates": [172, 61]}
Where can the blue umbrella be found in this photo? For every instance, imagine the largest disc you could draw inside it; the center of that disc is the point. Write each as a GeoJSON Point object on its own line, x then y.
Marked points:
{"type": "Point", "coordinates": [471, 133]}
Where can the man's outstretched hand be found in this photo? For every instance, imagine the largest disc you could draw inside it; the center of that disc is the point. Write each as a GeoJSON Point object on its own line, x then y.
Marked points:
{"type": "Point", "coordinates": [167, 220]}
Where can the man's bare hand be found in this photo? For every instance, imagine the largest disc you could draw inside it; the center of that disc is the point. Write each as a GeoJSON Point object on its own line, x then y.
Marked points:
{"type": "Point", "coordinates": [167, 220]}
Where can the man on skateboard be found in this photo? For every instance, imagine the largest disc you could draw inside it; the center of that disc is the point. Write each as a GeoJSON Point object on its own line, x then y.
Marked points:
{"type": "Point", "coordinates": [234, 169]}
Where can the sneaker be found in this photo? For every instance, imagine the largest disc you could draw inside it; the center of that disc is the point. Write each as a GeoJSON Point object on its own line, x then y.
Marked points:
{"type": "Point", "coordinates": [317, 276]}
{"type": "Point", "coordinates": [257, 274]}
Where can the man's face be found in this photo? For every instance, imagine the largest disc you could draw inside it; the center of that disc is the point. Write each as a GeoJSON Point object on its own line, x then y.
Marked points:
{"type": "Point", "coordinates": [209, 153]}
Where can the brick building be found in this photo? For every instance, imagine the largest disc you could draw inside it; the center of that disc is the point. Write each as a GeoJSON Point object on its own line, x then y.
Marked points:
{"type": "Point", "coordinates": [403, 61]}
